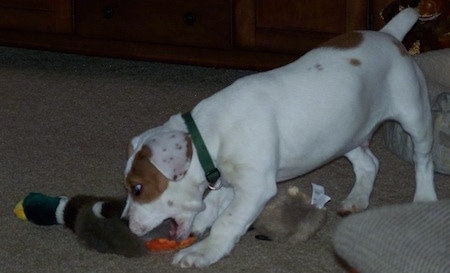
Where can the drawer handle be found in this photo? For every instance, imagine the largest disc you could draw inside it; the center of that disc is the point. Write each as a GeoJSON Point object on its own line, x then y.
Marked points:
{"type": "Point", "coordinates": [189, 18]}
{"type": "Point", "coordinates": [107, 12]}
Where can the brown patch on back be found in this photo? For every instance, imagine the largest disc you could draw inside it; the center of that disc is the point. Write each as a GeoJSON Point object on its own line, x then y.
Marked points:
{"type": "Point", "coordinates": [355, 62]}
{"type": "Point", "coordinates": [400, 47]}
{"type": "Point", "coordinates": [345, 41]}
{"type": "Point", "coordinates": [144, 173]}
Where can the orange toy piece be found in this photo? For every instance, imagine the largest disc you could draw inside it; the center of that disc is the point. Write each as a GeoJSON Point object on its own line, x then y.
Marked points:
{"type": "Point", "coordinates": [163, 244]}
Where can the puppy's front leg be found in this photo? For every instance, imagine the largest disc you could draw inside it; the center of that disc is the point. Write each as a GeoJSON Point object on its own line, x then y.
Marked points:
{"type": "Point", "coordinates": [215, 202]}
{"type": "Point", "coordinates": [232, 223]}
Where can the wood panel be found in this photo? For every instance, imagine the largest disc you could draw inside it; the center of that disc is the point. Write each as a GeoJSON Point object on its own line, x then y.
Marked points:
{"type": "Point", "coordinates": [28, 4]}
{"type": "Point", "coordinates": [38, 15]}
{"type": "Point", "coordinates": [296, 26]}
{"type": "Point", "coordinates": [327, 16]}
{"type": "Point", "coordinates": [178, 22]}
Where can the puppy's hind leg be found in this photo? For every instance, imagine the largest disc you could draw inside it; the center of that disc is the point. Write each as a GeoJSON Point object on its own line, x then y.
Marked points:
{"type": "Point", "coordinates": [419, 126]}
{"type": "Point", "coordinates": [365, 166]}
{"type": "Point", "coordinates": [414, 115]}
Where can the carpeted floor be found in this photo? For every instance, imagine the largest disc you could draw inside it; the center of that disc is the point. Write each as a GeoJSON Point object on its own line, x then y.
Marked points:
{"type": "Point", "coordinates": [65, 124]}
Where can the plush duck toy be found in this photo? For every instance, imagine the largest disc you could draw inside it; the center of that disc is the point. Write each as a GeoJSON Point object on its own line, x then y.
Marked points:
{"type": "Point", "coordinates": [96, 222]}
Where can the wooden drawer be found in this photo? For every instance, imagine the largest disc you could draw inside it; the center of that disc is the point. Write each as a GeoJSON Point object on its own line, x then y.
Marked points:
{"type": "Point", "coordinates": [295, 26]}
{"type": "Point", "coordinates": [201, 23]}
{"type": "Point", "coordinates": [53, 16]}
{"type": "Point", "coordinates": [28, 4]}
{"type": "Point", "coordinates": [319, 15]}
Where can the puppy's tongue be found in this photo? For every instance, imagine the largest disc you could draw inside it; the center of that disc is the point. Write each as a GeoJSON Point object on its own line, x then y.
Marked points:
{"type": "Point", "coordinates": [173, 226]}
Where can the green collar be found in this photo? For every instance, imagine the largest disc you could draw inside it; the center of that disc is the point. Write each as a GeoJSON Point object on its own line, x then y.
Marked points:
{"type": "Point", "coordinates": [211, 172]}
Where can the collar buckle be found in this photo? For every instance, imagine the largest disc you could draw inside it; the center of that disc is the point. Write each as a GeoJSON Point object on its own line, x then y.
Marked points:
{"type": "Point", "coordinates": [212, 178]}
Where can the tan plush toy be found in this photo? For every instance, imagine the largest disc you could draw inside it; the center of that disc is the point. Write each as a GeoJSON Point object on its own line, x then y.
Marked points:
{"type": "Point", "coordinates": [290, 217]}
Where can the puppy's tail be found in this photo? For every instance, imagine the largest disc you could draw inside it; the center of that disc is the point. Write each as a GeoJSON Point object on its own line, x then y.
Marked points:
{"type": "Point", "coordinates": [401, 23]}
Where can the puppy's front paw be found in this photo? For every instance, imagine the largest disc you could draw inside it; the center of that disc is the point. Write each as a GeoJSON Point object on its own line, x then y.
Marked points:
{"type": "Point", "coordinates": [202, 254]}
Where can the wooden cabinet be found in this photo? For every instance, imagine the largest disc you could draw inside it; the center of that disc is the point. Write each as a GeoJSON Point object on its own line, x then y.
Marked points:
{"type": "Point", "coordinates": [257, 34]}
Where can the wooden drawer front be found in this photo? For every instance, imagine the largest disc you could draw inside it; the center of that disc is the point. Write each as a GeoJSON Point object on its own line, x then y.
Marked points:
{"type": "Point", "coordinates": [319, 15]}
{"type": "Point", "coordinates": [27, 4]}
{"type": "Point", "coordinates": [203, 23]}
{"type": "Point", "coordinates": [296, 26]}
{"type": "Point", "coordinates": [37, 15]}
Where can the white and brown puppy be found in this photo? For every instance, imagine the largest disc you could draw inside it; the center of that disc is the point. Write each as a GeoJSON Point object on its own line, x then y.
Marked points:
{"type": "Point", "coordinates": [277, 125]}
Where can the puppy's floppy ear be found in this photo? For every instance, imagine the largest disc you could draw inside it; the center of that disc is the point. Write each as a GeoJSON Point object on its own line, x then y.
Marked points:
{"type": "Point", "coordinates": [171, 153]}
{"type": "Point", "coordinates": [132, 145]}
{"type": "Point", "coordinates": [130, 149]}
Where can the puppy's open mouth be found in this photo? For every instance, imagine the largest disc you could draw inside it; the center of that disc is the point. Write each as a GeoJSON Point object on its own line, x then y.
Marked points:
{"type": "Point", "coordinates": [173, 228]}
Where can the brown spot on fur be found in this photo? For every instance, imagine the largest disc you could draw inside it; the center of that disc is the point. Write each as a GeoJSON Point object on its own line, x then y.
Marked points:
{"type": "Point", "coordinates": [345, 41]}
{"type": "Point", "coordinates": [319, 67]}
{"type": "Point", "coordinates": [355, 62]}
{"type": "Point", "coordinates": [400, 47]}
{"type": "Point", "coordinates": [144, 173]}
{"type": "Point", "coordinates": [189, 147]}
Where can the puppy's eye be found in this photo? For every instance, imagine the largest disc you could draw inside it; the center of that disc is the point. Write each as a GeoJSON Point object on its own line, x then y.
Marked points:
{"type": "Point", "coordinates": [136, 189]}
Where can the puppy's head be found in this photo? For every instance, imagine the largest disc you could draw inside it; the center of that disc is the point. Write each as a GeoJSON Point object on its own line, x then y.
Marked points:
{"type": "Point", "coordinates": [159, 185]}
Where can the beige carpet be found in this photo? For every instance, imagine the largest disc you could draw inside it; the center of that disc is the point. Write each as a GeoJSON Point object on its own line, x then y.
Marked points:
{"type": "Point", "coordinates": [65, 124]}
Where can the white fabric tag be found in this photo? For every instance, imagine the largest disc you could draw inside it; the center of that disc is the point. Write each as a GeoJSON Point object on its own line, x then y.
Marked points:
{"type": "Point", "coordinates": [319, 198]}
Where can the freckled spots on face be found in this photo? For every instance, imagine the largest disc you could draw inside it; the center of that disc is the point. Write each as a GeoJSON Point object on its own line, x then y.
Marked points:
{"type": "Point", "coordinates": [355, 62]}
{"type": "Point", "coordinates": [346, 41]}
{"type": "Point", "coordinates": [170, 203]}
